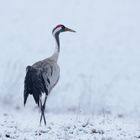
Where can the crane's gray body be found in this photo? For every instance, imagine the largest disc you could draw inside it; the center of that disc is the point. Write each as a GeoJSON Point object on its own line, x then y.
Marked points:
{"type": "Point", "coordinates": [50, 72]}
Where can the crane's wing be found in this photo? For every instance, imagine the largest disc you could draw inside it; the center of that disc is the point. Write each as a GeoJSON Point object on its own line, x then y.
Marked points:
{"type": "Point", "coordinates": [50, 73]}
{"type": "Point", "coordinates": [34, 84]}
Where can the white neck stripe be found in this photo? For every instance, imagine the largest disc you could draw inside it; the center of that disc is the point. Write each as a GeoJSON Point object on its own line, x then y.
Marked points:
{"type": "Point", "coordinates": [56, 30]}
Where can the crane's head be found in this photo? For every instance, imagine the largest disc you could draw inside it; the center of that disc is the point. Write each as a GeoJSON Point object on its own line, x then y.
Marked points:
{"type": "Point", "coordinates": [61, 28]}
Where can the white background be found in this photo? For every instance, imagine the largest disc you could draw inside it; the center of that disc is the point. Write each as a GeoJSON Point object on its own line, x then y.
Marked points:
{"type": "Point", "coordinates": [100, 64]}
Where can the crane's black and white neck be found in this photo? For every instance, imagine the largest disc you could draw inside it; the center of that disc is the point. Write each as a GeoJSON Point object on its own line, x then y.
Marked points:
{"type": "Point", "coordinates": [56, 31]}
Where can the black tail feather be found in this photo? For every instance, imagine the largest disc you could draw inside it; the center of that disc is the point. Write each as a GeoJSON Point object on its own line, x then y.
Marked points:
{"type": "Point", "coordinates": [34, 84]}
{"type": "Point", "coordinates": [25, 97]}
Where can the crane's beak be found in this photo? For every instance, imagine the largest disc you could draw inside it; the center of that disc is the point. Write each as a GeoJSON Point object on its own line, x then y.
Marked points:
{"type": "Point", "coordinates": [70, 30]}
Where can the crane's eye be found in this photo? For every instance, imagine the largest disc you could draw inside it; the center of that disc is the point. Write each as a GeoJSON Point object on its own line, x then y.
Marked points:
{"type": "Point", "coordinates": [63, 28]}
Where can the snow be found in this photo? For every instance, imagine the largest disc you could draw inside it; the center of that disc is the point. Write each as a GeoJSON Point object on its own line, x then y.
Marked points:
{"type": "Point", "coordinates": [100, 71]}
{"type": "Point", "coordinates": [67, 126]}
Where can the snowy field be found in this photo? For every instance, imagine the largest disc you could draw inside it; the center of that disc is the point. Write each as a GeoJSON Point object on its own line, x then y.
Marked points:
{"type": "Point", "coordinates": [68, 126]}
{"type": "Point", "coordinates": [98, 95]}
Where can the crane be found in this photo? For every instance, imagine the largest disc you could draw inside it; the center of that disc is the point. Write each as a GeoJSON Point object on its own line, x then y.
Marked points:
{"type": "Point", "coordinates": [43, 75]}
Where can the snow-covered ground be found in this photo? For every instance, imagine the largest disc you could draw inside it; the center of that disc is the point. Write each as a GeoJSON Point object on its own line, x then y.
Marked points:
{"type": "Point", "coordinates": [22, 125]}
{"type": "Point", "coordinates": [100, 68]}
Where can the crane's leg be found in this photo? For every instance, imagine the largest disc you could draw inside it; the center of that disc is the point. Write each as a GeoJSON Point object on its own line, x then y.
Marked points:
{"type": "Point", "coordinates": [42, 110]}
{"type": "Point", "coordinates": [42, 113]}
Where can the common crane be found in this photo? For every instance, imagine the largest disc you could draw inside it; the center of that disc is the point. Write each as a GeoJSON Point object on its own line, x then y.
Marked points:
{"type": "Point", "coordinates": [43, 75]}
